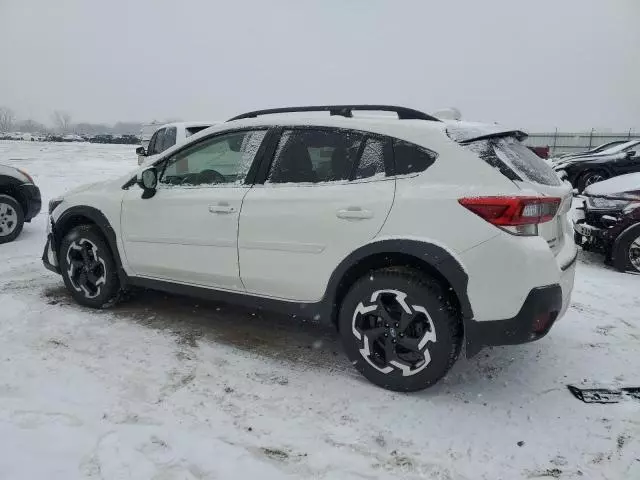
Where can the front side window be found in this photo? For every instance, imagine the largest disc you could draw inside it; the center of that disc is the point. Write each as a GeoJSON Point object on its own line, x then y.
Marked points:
{"type": "Point", "coordinates": [315, 156]}
{"type": "Point", "coordinates": [224, 159]}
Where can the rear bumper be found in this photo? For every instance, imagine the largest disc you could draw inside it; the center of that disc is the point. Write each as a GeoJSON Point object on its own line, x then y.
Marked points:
{"type": "Point", "coordinates": [542, 307]}
{"type": "Point", "coordinates": [31, 195]}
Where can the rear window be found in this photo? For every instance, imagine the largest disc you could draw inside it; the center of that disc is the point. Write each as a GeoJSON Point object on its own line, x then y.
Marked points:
{"type": "Point", "coordinates": [514, 160]}
{"type": "Point", "coordinates": [193, 130]}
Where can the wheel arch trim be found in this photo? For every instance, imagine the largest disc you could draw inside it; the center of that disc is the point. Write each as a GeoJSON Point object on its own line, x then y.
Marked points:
{"type": "Point", "coordinates": [100, 220]}
{"type": "Point", "coordinates": [437, 257]}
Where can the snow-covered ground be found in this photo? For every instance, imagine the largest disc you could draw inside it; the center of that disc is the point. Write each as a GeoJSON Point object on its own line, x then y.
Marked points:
{"type": "Point", "coordinates": [174, 388]}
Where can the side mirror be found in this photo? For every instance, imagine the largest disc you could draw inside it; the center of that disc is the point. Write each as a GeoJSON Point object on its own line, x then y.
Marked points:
{"type": "Point", "coordinates": [631, 154]}
{"type": "Point", "coordinates": [140, 151]}
{"type": "Point", "coordinates": [148, 181]}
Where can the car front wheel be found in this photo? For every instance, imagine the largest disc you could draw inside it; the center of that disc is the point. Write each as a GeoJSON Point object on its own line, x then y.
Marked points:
{"type": "Point", "coordinates": [11, 219]}
{"type": "Point", "coordinates": [88, 268]}
{"type": "Point", "coordinates": [399, 329]}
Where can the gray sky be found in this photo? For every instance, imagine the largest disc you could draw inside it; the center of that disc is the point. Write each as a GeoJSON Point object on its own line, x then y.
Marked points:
{"type": "Point", "coordinates": [565, 63]}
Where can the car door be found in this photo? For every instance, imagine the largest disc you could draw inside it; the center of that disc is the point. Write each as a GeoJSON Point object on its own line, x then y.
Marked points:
{"type": "Point", "coordinates": [325, 195]}
{"type": "Point", "coordinates": [188, 231]}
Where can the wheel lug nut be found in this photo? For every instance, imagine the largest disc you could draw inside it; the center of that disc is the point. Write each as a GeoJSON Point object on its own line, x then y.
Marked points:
{"type": "Point", "coordinates": [386, 334]}
{"type": "Point", "coordinates": [401, 335]}
{"type": "Point", "coordinates": [386, 325]}
{"type": "Point", "coordinates": [397, 325]}
{"type": "Point", "coordinates": [394, 340]}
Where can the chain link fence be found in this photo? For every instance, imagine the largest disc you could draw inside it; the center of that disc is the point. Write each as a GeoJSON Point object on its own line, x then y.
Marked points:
{"type": "Point", "coordinates": [568, 142]}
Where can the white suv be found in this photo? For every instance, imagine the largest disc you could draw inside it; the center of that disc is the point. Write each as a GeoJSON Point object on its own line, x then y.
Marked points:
{"type": "Point", "coordinates": [411, 235]}
{"type": "Point", "coordinates": [166, 136]}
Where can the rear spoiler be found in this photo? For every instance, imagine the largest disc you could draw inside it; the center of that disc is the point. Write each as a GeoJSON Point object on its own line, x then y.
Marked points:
{"type": "Point", "coordinates": [474, 132]}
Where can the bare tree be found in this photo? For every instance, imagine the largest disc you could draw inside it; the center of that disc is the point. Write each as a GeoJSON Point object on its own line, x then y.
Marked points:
{"type": "Point", "coordinates": [62, 120]}
{"type": "Point", "coordinates": [7, 117]}
{"type": "Point", "coordinates": [30, 126]}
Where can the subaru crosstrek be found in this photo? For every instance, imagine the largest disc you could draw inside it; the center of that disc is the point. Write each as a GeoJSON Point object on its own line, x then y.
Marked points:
{"type": "Point", "coordinates": [411, 235]}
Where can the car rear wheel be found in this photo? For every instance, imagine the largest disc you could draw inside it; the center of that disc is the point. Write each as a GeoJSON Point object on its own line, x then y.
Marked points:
{"type": "Point", "coordinates": [400, 330]}
{"type": "Point", "coordinates": [626, 256]}
{"type": "Point", "coordinates": [88, 268]}
{"type": "Point", "coordinates": [11, 219]}
{"type": "Point", "coordinates": [590, 177]}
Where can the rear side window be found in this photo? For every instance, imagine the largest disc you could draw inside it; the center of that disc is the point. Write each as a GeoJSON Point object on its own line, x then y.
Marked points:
{"type": "Point", "coordinates": [372, 158]}
{"type": "Point", "coordinates": [313, 156]}
{"type": "Point", "coordinates": [410, 158]}
{"type": "Point", "coordinates": [514, 160]}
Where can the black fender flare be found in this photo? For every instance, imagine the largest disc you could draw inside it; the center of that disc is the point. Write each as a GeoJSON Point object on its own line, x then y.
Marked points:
{"type": "Point", "coordinates": [438, 259]}
{"type": "Point", "coordinates": [101, 221]}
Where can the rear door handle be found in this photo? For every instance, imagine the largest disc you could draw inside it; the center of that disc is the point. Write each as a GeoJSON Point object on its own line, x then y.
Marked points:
{"type": "Point", "coordinates": [354, 213]}
{"type": "Point", "coordinates": [221, 207]}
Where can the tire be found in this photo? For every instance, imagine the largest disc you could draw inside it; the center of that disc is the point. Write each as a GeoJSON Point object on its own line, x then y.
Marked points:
{"type": "Point", "coordinates": [399, 329]}
{"type": "Point", "coordinates": [626, 256]}
{"type": "Point", "coordinates": [88, 268]}
{"type": "Point", "coordinates": [11, 219]}
{"type": "Point", "coordinates": [589, 177]}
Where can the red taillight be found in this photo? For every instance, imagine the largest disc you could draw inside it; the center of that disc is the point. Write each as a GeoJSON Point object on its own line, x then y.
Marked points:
{"type": "Point", "coordinates": [513, 211]}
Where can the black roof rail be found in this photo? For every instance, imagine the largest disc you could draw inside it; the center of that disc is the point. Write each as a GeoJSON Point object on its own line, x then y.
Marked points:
{"type": "Point", "coordinates": [343, 110]}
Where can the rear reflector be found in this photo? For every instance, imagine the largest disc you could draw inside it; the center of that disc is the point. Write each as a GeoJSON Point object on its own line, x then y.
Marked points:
{"type": "Point", "coordinates": [513, 211]}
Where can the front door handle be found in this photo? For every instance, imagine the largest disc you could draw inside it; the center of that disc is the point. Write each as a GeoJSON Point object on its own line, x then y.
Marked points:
{"type": "Point", "coordinates": [354, 213]}
{"type": "Point", "coordinates": [221, 207]}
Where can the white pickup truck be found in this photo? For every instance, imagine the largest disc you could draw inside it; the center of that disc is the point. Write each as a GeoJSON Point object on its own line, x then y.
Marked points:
{"type": "Point", "coordinates": [166, 136]}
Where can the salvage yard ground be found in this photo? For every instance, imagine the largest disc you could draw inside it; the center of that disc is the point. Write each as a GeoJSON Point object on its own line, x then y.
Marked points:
{"type": "Point", "coordinates": [168, 387]}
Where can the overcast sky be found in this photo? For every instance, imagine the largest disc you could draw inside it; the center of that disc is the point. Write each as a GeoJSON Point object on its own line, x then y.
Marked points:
{"type": "Point", "coordinates": [556, 63]}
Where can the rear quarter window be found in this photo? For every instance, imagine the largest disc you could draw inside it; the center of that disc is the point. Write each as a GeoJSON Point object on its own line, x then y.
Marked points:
{"type": "Point", "coordinates": [411, 158]}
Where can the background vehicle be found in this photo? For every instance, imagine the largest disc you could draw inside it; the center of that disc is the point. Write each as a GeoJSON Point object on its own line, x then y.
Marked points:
{"type": "Point", "coordinates": [19, 202]}
{"type": "Point", "coordinates": [165, 137]}
{"type": "Point", "coordinates": [586, 170]}
{"type": "Point", "coordinates": [542, 152]}
{"type": "Point", "coordinates": [409, 234]}
{"type": "Point", "coordinates": [609, 221]}
{"type": "Point", "coordinates": [598, 149]}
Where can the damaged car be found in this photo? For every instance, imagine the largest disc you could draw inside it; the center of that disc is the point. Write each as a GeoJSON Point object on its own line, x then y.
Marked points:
{"type": "Point", "coordinates": [609, 221]}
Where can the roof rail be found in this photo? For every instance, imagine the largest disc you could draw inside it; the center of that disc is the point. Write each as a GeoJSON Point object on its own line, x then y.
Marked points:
{"type": "Point", "coordinates": [343, 110]}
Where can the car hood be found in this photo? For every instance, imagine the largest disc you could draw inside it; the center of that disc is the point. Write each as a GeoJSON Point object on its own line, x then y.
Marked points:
{"type": "Point", "coordinates": [624, 186]}
{"type": "Point", "coordinates": [115, 184]}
